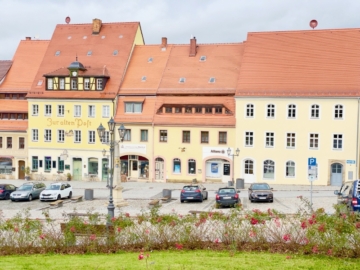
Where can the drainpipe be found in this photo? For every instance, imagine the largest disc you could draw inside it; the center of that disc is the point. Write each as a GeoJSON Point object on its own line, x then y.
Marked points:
{"type": "Point", "coordinates": [357, 142]}
{"type": "Point", "coordinates": [152, 154]}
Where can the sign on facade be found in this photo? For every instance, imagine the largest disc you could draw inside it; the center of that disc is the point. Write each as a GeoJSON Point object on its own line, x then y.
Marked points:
{"type": "Point", "coordinates": [349, 161]}
{"type": "Point", "coordinates": [132, 148]}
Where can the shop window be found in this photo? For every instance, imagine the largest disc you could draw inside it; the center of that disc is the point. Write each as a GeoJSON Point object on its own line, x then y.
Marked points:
{"type": "Point", "coordinates": [5, 166]}
{"type": "Point", "coordinates": [93, 166]}
{"type": "Point", "coordinates": [176, 165]}
{"type": "Point", "coordinates": [192, 166]}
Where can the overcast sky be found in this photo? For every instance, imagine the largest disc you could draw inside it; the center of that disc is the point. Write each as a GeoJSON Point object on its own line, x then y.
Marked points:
{"type": "Point", "coordinates": [211, 21]}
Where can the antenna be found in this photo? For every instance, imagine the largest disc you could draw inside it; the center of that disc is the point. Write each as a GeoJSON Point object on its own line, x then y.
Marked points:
{"type": "Point", "coordinates": [76, 57]}
{"type": "Point", "coordinates": [67, 19]}
{"type": "Point", "coordinates": [313, 24]}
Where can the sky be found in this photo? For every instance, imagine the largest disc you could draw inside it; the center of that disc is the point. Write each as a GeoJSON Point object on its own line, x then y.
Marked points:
{"type": "Point", "coordinates": [210, 21]}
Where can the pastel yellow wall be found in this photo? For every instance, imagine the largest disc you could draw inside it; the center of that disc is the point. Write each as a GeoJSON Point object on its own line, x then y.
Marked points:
{"type": "Point", "coordinates": [139, 39]}
{"type": "Point", "coordinates": [302, 126]}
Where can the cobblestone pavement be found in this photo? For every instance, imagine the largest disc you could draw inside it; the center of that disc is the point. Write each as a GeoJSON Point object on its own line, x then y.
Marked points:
{"type": "Point", "coordinates": [138, 195]}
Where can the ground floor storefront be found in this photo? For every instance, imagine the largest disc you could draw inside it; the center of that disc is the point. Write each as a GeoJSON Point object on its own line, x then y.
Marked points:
{"type": "Point", "coordinates": [12, 167]}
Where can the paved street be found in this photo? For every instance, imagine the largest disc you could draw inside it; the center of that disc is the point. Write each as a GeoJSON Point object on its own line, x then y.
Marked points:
{"type": "Point", "coordinates": [138, 195]}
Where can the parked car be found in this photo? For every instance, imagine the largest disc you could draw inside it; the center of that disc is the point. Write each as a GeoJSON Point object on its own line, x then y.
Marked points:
{"type": "Point", "coordinates": [227, 196]}
{"type": "Point", "coordinates": [193, 193]}
{"type": "Point", "coordinates": [349, 195]}
{"type": "Point", "coordinates": [261, 192]}
{"type": "Point", "coordinates": [27, 191]}
{"type": "Point", "coordinates": [56, 191]}
{"type": "Point", "coordinates": [6, 190]}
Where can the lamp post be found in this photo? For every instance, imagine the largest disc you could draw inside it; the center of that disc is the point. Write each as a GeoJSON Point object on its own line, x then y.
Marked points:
{"type": "Point", "coordinates": [101, 132]}
{"type": "Point", "coordinates": [237, 152]}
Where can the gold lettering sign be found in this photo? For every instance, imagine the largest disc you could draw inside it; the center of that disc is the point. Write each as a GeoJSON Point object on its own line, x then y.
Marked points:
{"type": "Point", "coordinates": [77, 123]}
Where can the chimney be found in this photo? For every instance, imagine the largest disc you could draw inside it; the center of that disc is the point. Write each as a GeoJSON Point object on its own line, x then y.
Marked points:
{"type": "Point", "coordinates": [96, 26]}
{"type": "Point", "coordinates": [163, 42]}
{"type": "Point", "coordinates": [193, 47]}
{"type": "Point", "coordinates": [27, 38]}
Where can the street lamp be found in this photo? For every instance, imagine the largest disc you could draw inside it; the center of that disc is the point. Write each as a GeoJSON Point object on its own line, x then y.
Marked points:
{"type": "Point", "coordinates": [237, 152]}
{"type": "Point", "coordinates": [101, 132]}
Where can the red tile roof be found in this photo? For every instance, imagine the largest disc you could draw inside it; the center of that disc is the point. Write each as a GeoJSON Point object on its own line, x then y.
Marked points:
{"type": "Point", "coordinates": [162, 75]}
{"type": "Point", "coordinates": [146, 116]}
{"type": "Point", "coordinates": [301, 63]}
{"type": "Point", "coordinates": [13, 125]}
{"type": "Point", "coordinates": [11, 105]}
{"type": "Point", "coordinates": [76, 40]}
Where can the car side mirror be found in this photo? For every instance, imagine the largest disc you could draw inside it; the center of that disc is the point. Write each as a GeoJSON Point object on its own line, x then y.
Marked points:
{"type": "Point", "coordinates": [336, 192]}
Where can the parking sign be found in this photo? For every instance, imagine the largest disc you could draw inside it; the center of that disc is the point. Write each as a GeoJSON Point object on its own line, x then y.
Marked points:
{"type": "Point", "coordinates": [312, 161]}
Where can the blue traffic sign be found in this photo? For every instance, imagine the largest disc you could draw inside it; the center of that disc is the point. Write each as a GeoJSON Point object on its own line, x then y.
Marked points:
{"type": "Point", "coordinates": [312, 161]}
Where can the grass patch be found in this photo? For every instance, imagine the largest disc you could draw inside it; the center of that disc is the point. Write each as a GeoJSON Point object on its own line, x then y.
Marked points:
{"type": "Point", "coordinates": [179, 259]}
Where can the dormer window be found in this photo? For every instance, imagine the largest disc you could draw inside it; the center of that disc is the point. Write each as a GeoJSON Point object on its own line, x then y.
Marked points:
{"type": "Point", "coordinates": [73, 83]}
{"type": "Point", "coordinates": [89, 53]}
{"type": "Point", "coordinates": [62, 83]}
{"type": "Point", "coordinates": [182, 80]}
{"type": "Point", "coordinates": [86, 83]}
{"type": "Point", "coordinates": [50, 83]}
{"type": "Point", "coordinates": [115, 52]}
{"type": "Point", "coordinates": [57, 53]}
{"type": "Point", "coordinates": [143, 78]}
{"type": "Point", "coordinates": [99, 84]}
{"type": "Point", "coordinates": [212, 80]}
{"type": "Point", "coordinates": [202, 58]}
{"type": "Point", "coordinates": [133, 107]}
{"type": "Point", "coordinates": [150, 60]}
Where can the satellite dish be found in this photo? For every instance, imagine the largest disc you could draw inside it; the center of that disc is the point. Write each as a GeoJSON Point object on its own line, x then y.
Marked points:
{"type": "Point", "coordinates": [67, 19]}
{"type": "Point", "coordinates": [313, 23]}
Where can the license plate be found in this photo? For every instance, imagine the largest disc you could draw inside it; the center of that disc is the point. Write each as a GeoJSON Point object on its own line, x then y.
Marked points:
{"type": "Point", "coordinates": [226, 198]}
{"type": "Point", "coordinates": [262, 198]}
{"type": "Point", "coordinates": [190, 197]}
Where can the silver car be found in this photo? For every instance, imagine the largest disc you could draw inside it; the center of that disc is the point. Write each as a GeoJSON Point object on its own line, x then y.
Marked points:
{"type": "Point", "coordinates": [28, 191]}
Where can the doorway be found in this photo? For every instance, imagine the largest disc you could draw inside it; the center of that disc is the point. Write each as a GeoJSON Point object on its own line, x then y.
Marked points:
{"type": "Point", "coordinates": [77, 171]}
{"type": "Point", "coordinates": [249, 171]}
{"type": "Point", "coordinates": [104, 171]}
{"type": "Point", "coordinates": [21, 169]}
{"type": "Point", "coordinates": [134, 168]}
{"type": "Point", "coordinates": [159, 169]}
{"type": "Point", "coordinates": [336, 178]}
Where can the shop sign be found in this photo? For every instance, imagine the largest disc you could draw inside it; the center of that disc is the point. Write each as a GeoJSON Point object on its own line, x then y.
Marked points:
{"type": "Point", "coordinates": [76, 123]}
{"type": "Point", "coordinates": [214, 151]}
{"type": "Point", "coordinates": [132, 148]}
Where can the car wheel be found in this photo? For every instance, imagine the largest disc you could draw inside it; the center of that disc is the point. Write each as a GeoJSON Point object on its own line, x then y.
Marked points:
{"type": "Point", "coordinates": [12, 200]}
{"type": "Point", "coordinates": [41, 200]}
{"type": "Point", "coordinates": [70, 195]}
{"type": "Point", "coordinates": [30, 197]}
{"type": "Point", "coordinates": [59, 197]}
{"type": "Point", "coordinates": [272, 201]}
{"type": "Point", "coordinates": [207, 195]}
{"type": "Point", "coordinates": [7, 196]}
{"type": "Point", "coordinates": [181, 201]}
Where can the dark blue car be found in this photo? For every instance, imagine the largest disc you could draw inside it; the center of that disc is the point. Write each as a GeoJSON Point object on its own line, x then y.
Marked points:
{"type": "Point", "coordinates": [193, 193]}
{"type": "Point", "coordinates": [6, 190]}
{"type": "Point", "coordinates": [349, 195]}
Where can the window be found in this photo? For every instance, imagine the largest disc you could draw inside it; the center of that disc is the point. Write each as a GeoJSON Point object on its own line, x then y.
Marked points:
{"type": "Point", "coordinates": [127, 135]}
{"type": "Point", "coordinates": [9, 142]}
{"type": "Point", "coordinates": [73, 83]}
{"type": "Point", "coordinates": [314, 141]}
{"type": "Point", "coordinates": [77, 137]}
{"type": "Point", "coordinates": [99, 84]}
{"type": "Point", "coordinates": [182, 80]}
{"type": "Point", "coordinates": [50, 83]}
{"type": "Point", "coordinates": [61, 135]}
{"type": "Point", "coordinates": [202, 58]}
{"type": "Point", "coordinates": [61, 110]}
{"type": "Point", "coordinates": [192, 166]}
{"type": "Point", "coordinates": [47, 163]}
{"type": "Point", "coordinates": [105, 111]}
{"type": "Point", "coordinates": [198, 110]}
{"type": "Point", "coordinates": [222, 137]}
{"type": "Point", "coordinates": [21, 143]}
{"type": "Point", "coordinates": [133, 107]}
{"type": "Point", "coordinates": [89, 53]}
{"type": "Point", "coordinates": [61, 165]}
{"type": "Point", "coordinates": [204, 136]}
{"type": "Point", "coordinates": [212, 80]}
{"type": "Point", "coordinates": [337, 141]}
{"type": "Point", "coordinates": [290, 169]}
{"type": "Point", "coordinates": [35, 135]}
{"type": "Point", "coordinates": [143, 78]}
{"type": "Point", "coordinates": [291, 111]}
{"type": "Point", "coordinates": [106, 137]}
{"type": "Point", "coordinates": [208, 110]}
{"type": "Point", "coordinates": [249, 110]}
{"type": "Point", "coordinates": [19, 116]}
{"type": "Point", "coordinates": [163, 135]}
{"type": "Point", "coordinates": [249, 138]}
{"type": "Point", "coordinates": [218, 110]}
{"type": "Point", "coordinates": [269, 139]}
{"type": "Point", "coordinates": [269, 169]}
{"type": "Point", "coordinates": [91, 110]}
{"type": "Point", "coordinates": [315, 111]}
{"type": "Point", "coordinates": [34, 163]}
{"type": "Point", "coordinates": [249, 166]}
{"type": "Point", "coordinates": [35, 109]}
{"type": "Point", "coordinates": [176, 165]}
{"type": "Point", "coordinates": [57, 53]}
{"type": "Point", "coordinates": [77, 111]}
{"type": "Point", "coordinates": [144, 135]}
{"type": "Point", "coordinates": [270, 111]}
{"type": "Point", "coordinates": [188, 110]}
{"type": "Point", "coordinates": [48, 110]}
{"type": "Point", "coordinates": [91, 136]}
{"type": "Point", "coordinates": [61, 83]}
{"type": "Point", "coordinates": [86, 83]}
{"type": "Point", "coordinates": [47, 135]}
{"type": "Point", "coordinates": [168, 110]}
{"type": "Point", "coordinates": [186, 136]}
{"type": "Point", "coordinates": [339, 112]}
{"type": "Point", "coordinates": [290, 140]}
{"type": "Point", "coordinates": [150, 60]}
{"type": "Point", "coordinates": [115, 52]}
{"type": "Point", "coordinates": [1, 142]}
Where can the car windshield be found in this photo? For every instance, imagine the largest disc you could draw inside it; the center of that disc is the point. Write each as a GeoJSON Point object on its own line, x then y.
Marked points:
{"type": "Point", "coordinates": [260, 186]}
{"type": "Point", "coordinates": [25, 187]}
{"type": "Point", "coordinates": [53, 187]}
{"type": "Point", "coordinates": [227, 190]}
{"type": "Point", "coordinates": [190, 188]}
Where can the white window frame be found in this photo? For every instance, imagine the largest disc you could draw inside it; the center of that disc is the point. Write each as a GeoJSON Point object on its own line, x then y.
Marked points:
{"type": "Point", "coordinates": [337, 113]}
{"type": "Point", "coordinates": [270, 111]}
{"type": "Point", "coordinates": [77, 136]}
{"type": "Point", "coordinates": [47, 135]}
{"type": "Point", "coordinates": [61, 83]}
{"type": "Point", "coordinates": [248, 165]}
{"type": "Point", "coordinates": [60, 135]}
{"type": "Point", "coordinates": [335, 137]}
{"type": "Point", "coordinates": [91, 111]}
{"type": "Point", "coordinates": [74, 83]}
{"type": "Point", "coordinates": [106, 138]}
{"type": "Point", "coordinates": [127, 135]}
{"type": "Point", "coordinates": [35, 135]}
{"type": "Point", "coordinates": [99, 84]}
{"type": "Point", "coordinates": [77, 110]}
{"type": "Point", "coordinates": [106, 111]}
{"type": "Point", "coordinates": [269, 137]}
{"type": "Point", "coordinates": [290, 165]}
{"type": "Point", "coordinates": [48, 110]}
{"type": "Point", "coordinates": [60, 110]}
{"type": "Point", "coordinates": [313, 109]}
{"type": "Point", "coordinates": [50, 83]}
{"type": "Point", "coordinates": [290, 137]}
{"type": "Point", "coordinates": [291, 108]}
{"type": "Point", "coordinates": [35, 109]}
{"type": "Point", "coordinates": [129, 107]}
{"type": "Point", "coordinates": [263, 169]}
{"type": "Point", "coordinates": [250, 108]}
{"type": "Point", "coordinates": [318, 141]}
{"type": "Point", "coordinates": [86, 83]}
{"type": "Point", "coordinates": [249, 139]}
{"type": "Point", "coordinates": [91, 135]}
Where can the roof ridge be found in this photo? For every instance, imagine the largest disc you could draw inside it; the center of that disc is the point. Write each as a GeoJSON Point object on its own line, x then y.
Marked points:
{"type": "Point", "coordinates": [75, 24]}
{"type": "Point", "coordinates": [307, 31]}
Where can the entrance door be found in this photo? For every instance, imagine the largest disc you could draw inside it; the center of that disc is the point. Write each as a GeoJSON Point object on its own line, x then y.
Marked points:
{"type": "Point", "coordinates": [336, 174]}
{"type": "Point", "coordinates": [159, 169]}
{"type": "Point", "coordinates": [249, 171]}
{"type": "Point", "coordinates": [134, 169]}
{"type": "Point", "coordinates": [21, 169]}
{"type": "Point", "coordinates": [226, 172]}
{"type": "Point", "coordinates": [77, 171]}
{"type": "Point", "coordinates": [104, 169]}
